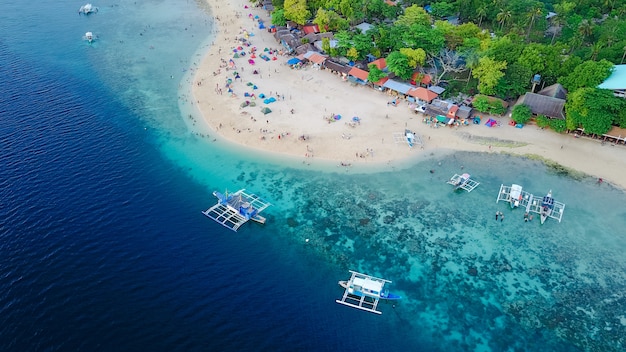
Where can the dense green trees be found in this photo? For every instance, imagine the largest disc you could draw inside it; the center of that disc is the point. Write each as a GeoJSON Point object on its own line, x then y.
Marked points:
{"type": "Point", "coordinates": [521, 114]}
{"type": "Point", "coordinates": [593, 109]}
{"type": "Point", "coordinates": [375, 74]}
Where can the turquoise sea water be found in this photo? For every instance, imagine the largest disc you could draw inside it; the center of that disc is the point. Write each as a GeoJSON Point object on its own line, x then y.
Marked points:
{"type": "Point", "coordinates": [104, 246]}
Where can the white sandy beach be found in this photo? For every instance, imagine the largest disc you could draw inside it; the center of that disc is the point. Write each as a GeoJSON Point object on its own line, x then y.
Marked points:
{"type": "Point", "coordinates": [316, 94]}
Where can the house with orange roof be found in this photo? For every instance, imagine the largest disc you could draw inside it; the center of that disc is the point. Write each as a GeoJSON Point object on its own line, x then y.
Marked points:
{"type": "Point", "coordinates": [356, 75]}
{"type": "Point", "coordinates": [422, 94]}
{"type": "Point", "coordinates": [381, 64]}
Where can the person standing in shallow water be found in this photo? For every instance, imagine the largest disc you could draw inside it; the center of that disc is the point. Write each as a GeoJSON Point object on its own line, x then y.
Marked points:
{"type": "Point", "coordinates": [497, 213]}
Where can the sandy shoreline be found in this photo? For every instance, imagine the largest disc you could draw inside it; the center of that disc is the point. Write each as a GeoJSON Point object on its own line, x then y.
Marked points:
{"type": "Point", "coordinates": [314, 95]}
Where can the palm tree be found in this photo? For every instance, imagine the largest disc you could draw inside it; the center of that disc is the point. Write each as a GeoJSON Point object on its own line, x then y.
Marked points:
{"type": "Point", "coordinates": [556, 26]}
{"type": "Point", "coordinates": [534, 12]}
{"type": "Point", "coordinates": [595, 50]}
{"type": "Point", "coordinates": [585, 28]}
{"type": "Point", "coordinates": [504, 16]}
{"type": "Point", "coordinates": [609, 4]}
{"type": "Point", "coordinates": [481, 12]}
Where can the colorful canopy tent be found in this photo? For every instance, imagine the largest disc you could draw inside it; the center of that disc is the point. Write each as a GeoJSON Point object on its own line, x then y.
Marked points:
{"type": "Point", "coordinates": [269, 100]}
{"type": "Point", "coordinates": [266, 110]}
{"type": "Point", "coordinates": [491, 123]}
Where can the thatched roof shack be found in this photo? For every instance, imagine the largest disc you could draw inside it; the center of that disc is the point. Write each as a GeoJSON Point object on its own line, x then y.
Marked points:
{"type": "Point", "coordinates": [549, 101]}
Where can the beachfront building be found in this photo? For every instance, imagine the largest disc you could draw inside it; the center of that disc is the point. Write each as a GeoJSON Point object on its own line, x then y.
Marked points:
{"type": "Point", "coordinates": [440, 107]}
{"type": "Point", "coordinates": [397, 88]}
{"type": "Point", "coordinates": [422, 95]}
{"type": "Point", "coordinates": [548, 102]}
{"type": "Point", "coordinates": [616, 81]}
{"type": "Point", "coordinates": [356, 75]}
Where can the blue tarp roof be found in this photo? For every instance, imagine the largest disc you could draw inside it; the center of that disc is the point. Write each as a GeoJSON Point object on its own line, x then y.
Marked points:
{"type": "Point", "coordinates": [397, 86]}
{"type": "Point", "coordinates": [617, 79]}
{"type": "Point", "coordinates": [293, 61]}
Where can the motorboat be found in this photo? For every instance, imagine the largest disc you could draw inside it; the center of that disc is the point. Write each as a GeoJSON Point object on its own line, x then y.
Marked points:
{"type": "Point", "coordinates": [87, 9]}
{"type": "Point", "coordinates": [515, 195]}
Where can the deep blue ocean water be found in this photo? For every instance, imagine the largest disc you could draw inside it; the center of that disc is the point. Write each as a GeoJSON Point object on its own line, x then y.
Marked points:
{"type": "Point", "coordinates": [103, 246]}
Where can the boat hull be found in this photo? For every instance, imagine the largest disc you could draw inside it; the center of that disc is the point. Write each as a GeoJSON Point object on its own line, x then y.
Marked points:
{"type": "Point", "coordinates": [383, 295]}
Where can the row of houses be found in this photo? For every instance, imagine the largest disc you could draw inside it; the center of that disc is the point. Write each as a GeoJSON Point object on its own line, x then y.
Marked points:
{"type": "Point", "coordinates": [306, 42]}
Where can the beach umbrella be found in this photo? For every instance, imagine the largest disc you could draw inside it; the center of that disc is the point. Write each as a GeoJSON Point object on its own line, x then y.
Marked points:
{"type": "Point", "coordinates": [266, 110]}
{"type": "Point", "coordinates": [236, 56]}
{"type": "Point", "coordinates": [244, 104]}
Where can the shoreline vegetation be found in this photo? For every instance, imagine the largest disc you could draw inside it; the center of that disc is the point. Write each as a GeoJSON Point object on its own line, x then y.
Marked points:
{"type": "Point", "coordinates": [302, 123]}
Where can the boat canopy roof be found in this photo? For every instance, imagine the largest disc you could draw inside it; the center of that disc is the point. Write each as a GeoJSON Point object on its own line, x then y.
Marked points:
{"type": "Point", "coordinates": [367, 283]}
{"type": "Point", "coordinates": [547, 200]}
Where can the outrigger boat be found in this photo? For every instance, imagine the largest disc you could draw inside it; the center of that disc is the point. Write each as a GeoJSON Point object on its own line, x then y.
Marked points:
{"type": "Point", "coordinates": [234, 210]}
{"type": "Point", "coordinates": [87, 9]}
{"type": "Point", "coordinates": [364, 292]}
{"type": "Point", "coordinates": [463, 182]}
{"type": "Point", "coordinates": [515, 196]}
{"type": "Point", "coordinates": [547, 205]}
{"type": "Point", "coordinates": [548, 208]}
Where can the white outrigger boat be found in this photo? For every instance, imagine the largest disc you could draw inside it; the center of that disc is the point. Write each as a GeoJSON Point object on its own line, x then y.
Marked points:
{"type": "Point", "coordinates": [89, 37]}
{"type": "Point", "coordinates": [234, 210]}
{"type": "Point", "coordinates": [515, 196]}
{"type": "Point", "coordinates": [364, 292]}
{"type": "Point", "coordinates": [87, 9]}
{"type": "Point", "coordinates": [463, 182]}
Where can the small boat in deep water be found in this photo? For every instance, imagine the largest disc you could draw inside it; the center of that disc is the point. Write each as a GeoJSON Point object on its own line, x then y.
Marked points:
{"type": "Point", "coordinates": [234, 210]}
{"type": "Point", "coordinates": [87, 9]}
{"type": "Point", "coordinates": [364, 292]}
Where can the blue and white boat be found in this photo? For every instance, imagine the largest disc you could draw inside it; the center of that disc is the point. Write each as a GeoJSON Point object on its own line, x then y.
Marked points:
{"type": "Point", "coordinates": [235, 209]}
{"type": "Point", "coordinates": [410, 138]}
{"type": "Point", "coordinates": [364, 292]}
